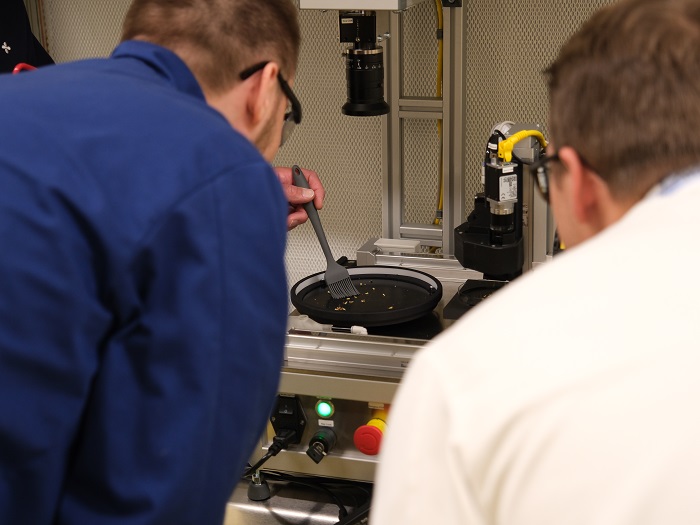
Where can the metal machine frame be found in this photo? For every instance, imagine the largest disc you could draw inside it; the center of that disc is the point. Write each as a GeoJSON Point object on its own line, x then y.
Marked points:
{"type": "Point", "coordinates": [538, 222]}
{"type": "Point", "coordinates": [449, 109]}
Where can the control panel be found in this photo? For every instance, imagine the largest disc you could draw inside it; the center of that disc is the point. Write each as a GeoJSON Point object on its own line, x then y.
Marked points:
{"type": "Point", "coordinates": [332, 437]}
{"type": "Point", "coordinates": [333, 403]}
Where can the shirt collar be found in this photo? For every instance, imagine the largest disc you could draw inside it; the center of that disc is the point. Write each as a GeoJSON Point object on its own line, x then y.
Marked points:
{"type": "Point", "coordinates": [675, 181]}
{"type": "Point", "coordinates": [164, 61]}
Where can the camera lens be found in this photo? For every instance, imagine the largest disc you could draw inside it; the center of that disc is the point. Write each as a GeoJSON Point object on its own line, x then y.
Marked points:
{"type": "Point", "coordinates": [365, 77]}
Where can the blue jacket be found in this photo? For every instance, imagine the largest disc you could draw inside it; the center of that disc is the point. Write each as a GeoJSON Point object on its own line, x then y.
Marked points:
{"type": "Point", "coordinates": [143, 295]}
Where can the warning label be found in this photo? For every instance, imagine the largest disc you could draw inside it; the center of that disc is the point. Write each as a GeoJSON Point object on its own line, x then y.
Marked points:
{"type": "Point", "coordinates": [508, 187]}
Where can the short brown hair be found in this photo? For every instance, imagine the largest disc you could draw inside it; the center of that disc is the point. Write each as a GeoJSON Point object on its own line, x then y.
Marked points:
{"type": "Point", "coordinates": [625, 92]}
{"type": "Point", "coordinates": [219, 38]}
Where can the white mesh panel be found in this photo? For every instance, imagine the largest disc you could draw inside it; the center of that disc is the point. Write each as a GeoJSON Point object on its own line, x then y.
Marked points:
{"type": "Point", "coordinates": [421, 170]}
{"type": "Point", "coordinates": [420, 50]}
{"type": "Point", "coordinates": [83, 28]}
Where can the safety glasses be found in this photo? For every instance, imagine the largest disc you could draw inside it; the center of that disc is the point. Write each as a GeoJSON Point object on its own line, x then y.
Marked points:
{"type": "Point", "coordinates": [540, 170]}
{"type": "Point", "coordinates": [291, 117]}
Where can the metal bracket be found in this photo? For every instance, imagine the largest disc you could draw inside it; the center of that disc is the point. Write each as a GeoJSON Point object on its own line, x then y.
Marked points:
{"type": "Point", "coordinates": [451, 3]}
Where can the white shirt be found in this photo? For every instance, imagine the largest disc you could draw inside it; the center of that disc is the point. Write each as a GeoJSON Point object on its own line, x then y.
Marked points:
{"type": "Point", "coordinates": [572, 396]}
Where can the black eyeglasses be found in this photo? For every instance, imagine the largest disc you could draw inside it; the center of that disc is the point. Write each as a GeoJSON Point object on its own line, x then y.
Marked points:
{"type": "Point", "coordinates": [540, 170]}
{"type": "Point", "coordinates": [291, 118]}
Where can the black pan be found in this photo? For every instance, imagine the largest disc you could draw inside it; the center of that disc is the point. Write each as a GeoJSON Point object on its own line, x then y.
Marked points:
{"type": "Point", "coordinates": [388, 295]}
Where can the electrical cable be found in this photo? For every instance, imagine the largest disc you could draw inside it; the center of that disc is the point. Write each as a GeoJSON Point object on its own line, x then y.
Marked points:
{"type": "Point", "coordinates": [322, 480]}
{"type": "Point", "coordinates": [505, 147]}
{"type": "Point", "coordinates": [258, 464]}
{"type": "Point", "coordinates": [324, 485]}
{"type": "Point", "coordinates": [438, 94]}
{"type": "Point", "coordinates": [279, 442]}
{"type": "Point", "coordinates": [342, 511]}
{"type": "Point", "coordinates": [487, 153]}
{"type": "Point", "coordinates": [360, 516]}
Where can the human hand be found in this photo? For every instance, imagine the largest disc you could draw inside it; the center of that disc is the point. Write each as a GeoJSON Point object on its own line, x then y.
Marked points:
{"type": "Point", "coordinates": [297, 196]}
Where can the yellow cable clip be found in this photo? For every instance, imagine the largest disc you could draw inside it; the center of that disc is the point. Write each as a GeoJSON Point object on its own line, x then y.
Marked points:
{"type": "Point", "coordinates": [505, 147]}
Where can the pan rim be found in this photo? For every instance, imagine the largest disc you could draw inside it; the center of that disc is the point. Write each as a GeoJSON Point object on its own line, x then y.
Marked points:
{"type": "Point", "coordinates": [384, 318]}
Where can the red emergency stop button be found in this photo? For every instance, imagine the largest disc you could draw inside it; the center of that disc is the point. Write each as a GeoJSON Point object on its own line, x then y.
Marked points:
{"type": "Point", "coordinates": [368, 438]}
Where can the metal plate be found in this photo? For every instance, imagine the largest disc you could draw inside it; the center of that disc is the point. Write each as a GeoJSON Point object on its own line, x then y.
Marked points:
{"type": "Point", "coordinates": [388, 295]}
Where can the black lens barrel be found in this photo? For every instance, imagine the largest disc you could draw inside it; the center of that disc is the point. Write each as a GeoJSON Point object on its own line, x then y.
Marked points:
{"type": "Point", "coordinates": [365, 79]}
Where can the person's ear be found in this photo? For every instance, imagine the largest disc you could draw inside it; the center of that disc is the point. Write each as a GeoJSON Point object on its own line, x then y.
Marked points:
{"type": "Point", "coordinates": [263, 95]}
{"type": "Point", "coordinates": [586, 192]}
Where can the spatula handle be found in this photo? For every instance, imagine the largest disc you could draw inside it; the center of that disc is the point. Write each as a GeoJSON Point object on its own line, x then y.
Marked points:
{"type": "Point", "coordinates": [299, 180]}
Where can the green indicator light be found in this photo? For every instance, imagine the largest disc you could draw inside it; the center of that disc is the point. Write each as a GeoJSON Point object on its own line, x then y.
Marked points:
{"type": "Point", "coordinates": [324, 408]}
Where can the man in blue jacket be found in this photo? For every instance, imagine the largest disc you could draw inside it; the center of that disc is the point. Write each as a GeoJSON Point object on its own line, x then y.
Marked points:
{"type": "Point", "coordinates": [143, 297]}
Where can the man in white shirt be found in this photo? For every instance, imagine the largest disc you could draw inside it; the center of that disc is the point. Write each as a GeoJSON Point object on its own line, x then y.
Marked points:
{"type": "Point", "coordinates": [570, 397]}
